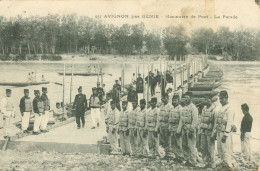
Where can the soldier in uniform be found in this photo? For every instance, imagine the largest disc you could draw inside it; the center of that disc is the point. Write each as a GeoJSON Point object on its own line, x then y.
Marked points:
{"type": "Point", "coordinates": [164, 123]}
{"type": "Point", "coordinates": [123, 129]}
{"type": "Point", "coordinates": [94, 104]}
{"type": "Point", "coordinates": [152, 118]}
{"type": "Point", "coordinates": [224, 122]}
{"type": "Point", "coordinates": [206, 133]}
{"type": "Point", "coordinates": [175, 126]}
{"type": "Point", "coordinates": [189, 119]}
{"type": "Point", "coordinates": [112, 120]}
{"type": "Point", "coordinates": [132, 127]}
{"type": "Point", "coordinates": [142, 132]}
{"type": "Point", "coordinates": [38, 109]}
{"type": "Point", "coordinates": [100, 92]}
{"type": "Point", "coordinates": [25, 109]}
{"type": "Point", "coordinates": [45, 116]}
{"type": "Point", "coordinates": [80, 104]}
{"type": "Point", "coordinates": [139, 86]}
{"type": "Point", "coordinates": [8, 112]}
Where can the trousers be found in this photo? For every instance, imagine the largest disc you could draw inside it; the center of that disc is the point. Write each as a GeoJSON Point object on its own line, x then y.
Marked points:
{"type": "Point", "coordinates": [125, 143]}
{"type": "Point", "coordinates": [1, 120]}
{"type": "Point", "coordinates": [191, 146]}
{"type": "Point", "coordinates": [207, 149]}
{"type": "Point", "coordinates": [154, 142]}
{"type": "Point", "coordinates": [95, 116]}
{"type": "Point", "coordinates": [44, 120]}
{"type": "Point", "coordinates": [246, 146]}
{"type": "Point", "coordinates": [37, 122]}
{"type": "Point", "coordinates": [132, 139]}
{"type": "Point", "coordinates": [224, 150]}
{"type": "Point", "coordinates": [175, 145]}
{"type": "Point", "coordinates": [164, 137]}
{"type": "Point", "coordinates": [80, 115]}
{"type": "Point", "coordinates": [142, 142]}
{"type": "Point", "coordinates": [6, 125]}
{"type": "Point", "coordinates": [25, 120]}
{"type": "Point", "coordinates": [113, 140]}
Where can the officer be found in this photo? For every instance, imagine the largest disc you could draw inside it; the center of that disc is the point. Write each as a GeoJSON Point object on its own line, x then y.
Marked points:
{"type": "Point", "coordinates": [112, 120]}
{"type": "Point", "coordinates": [206, 133]}
{"type": "Point", "coordinates": [38, 109]}
{"type": "Point", "coordinates": [189, 119]}
{"type": "Point", "coordinates": [175, 126]}
{"type": "Point", "coordinates": [80, 104]}
{"type": "Point", "coordinates": [139, 86]}
{"type": "Point", "coordinates": [142, 132]}
{"type": "Point", "coordinates": [224, 122]}
{"type": "Point", "coordinates": [25, 109]}
{"type": "Point", "coordinates": [94, 105]}
{"type": "Point", "coordinates": [45, 116]}
{"type": "Point", "coordinates": [164, 122]}
{"type": "Point", "coordinates": [153, 127]}
{"type": "Point", "coordinates": [123, 129]}
{"type": "Point", "coordinates": [132, 127]}
{"type": "Point", "coordinates": [100, 93]}
{"type": "Point", "coordinates": [8, 112]}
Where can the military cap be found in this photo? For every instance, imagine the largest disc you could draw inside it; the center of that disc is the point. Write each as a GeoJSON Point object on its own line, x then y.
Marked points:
{"type": "Point", "coordinates": [44, 88]}
{"type": "Point", "coordinates": [8, 90]}
{"type": "Point", "coordinates": [142, 101]}
{"type": "Point", "coordinates": [176, 96]}
{"type": "Point", "coordinates": [116, 80]}
{"type": "Point", "coordinates": [94, 88]}
{"type": "Point", "coordinates": [80, 88]}
{"type": "Point", "coordinates": [36, 91]}
{"type": "Point", "coordinates": [154, 99]}
{"type": "Point", "coordinates": [98, 83]}
{"type": "Point", "coordinates": [112, 102]}
{"type": "Point", "coordinates": [57, 103]}
{"type": "Point", "coordinates": [26, 90]}
{"type": "Point", "coordinates": [223, 93]}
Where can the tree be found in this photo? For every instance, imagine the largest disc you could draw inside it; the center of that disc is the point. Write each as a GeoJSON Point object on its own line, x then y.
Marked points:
{"type": "Point", "coordinates": [152, 42]}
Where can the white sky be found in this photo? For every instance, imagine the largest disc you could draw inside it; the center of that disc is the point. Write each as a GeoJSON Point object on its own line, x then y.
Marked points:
{"type": "Point", "coordinates": [247, 11]}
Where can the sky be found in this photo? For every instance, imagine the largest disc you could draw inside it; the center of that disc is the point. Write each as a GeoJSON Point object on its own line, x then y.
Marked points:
{"type": "Point", "coordinates": [245, 12]}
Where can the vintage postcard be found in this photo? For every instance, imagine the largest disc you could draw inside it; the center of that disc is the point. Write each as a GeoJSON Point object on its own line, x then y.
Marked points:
{"type": "Point", "coordinates": [130, 85]}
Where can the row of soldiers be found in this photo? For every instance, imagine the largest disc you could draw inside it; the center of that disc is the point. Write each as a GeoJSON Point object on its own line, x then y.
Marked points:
{"type": "Point", "coordinates": [40, 106]}
{"type": "Point", "coordinates": [168, 129]}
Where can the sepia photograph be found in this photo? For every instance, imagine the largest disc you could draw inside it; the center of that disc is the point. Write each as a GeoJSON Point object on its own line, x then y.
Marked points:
{"type": "Point", "coordinates": [146, 85]}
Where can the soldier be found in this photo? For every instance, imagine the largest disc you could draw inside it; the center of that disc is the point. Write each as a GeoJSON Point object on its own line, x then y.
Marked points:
{"type": "Point", "coordinates": [45, 115]}
{"type": "Point", "coordinates": [153, 127]}
{"type": "Point", "coordinates": [139, 86]}
{"type": "Point", "coordinates": [224, 122]}
{"type": "Point", "coordinates": [80, 103]}
{"type": "Point", "coordinates": [142, 132]}
{"type": "Point", "coordinates": [132, 127]}
{"type": "Point", "coordinates": [25, 109]}
{"type": "Point", "coordinates": [175, 126]}
{"type": "Point", "coordinates": [123, 129]}
{"type": "Point", "coordinates": [100, 93]}
{"type": "Point", "coordinates": [189, 119]}
{"type": "Point", "coordinates": [38, 109]}
{"type": "Point", "coordinates": [112, 120]}
{"type": "Point", "coordinates": [164, 123]}
{"type": "Point", "coordinates": [94, 104]}
{"type": "Point", "coordinates": [8, 112]}
{"type": "Point", "coordinates": [206, 133]}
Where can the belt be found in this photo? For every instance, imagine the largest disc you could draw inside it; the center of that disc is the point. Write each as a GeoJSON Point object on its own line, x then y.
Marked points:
{"type": "Point", "coordinates": [95, 107]}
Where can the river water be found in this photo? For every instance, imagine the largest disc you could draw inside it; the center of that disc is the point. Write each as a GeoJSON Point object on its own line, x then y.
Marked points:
{"type": "Point", "coordinates": [241, 80]}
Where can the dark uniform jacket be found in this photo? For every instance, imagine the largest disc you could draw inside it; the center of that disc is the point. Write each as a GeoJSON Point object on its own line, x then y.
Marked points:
{"type": "Point", "coordinates": [22, 104]}
{"type": "Point", "coordinates": [80, 103]}
{"type": "Point", "coordinates": [35, 104]}
{"type": "Point", "coordinates": [139, 85]}
{"type": "Point", "coordinates": [45, 98]}
{"type": "Point", "coordinates": [246, 124]}
{"type": "Point", "coordinates": [101, 93]}
{"type": "Point", "coordinates": [132, 96]}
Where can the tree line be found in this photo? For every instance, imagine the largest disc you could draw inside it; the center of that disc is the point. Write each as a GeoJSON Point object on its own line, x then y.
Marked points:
{"type": "Point", "coordinates": [56, 34]}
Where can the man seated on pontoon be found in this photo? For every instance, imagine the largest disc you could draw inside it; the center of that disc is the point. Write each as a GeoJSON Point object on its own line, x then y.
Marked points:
{"type": "Point", "coordinates": [58, 113]}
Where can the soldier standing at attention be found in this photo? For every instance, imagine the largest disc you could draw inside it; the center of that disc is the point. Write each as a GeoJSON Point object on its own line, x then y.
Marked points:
{"type": "Point", "coordinates": [164, 123]}
{"type": "Point", "coordinates": [224, 122]}
{"type": "Point", "coordinates": [206, 133]}
{"type": "Point", "coordinates": [38, 109]}
{"type": "Point", "coordinates": [94, 104]}
{"type": "Point", "coordinates": [100, 93]}
{"type": "Point", "coordinates": [123, 129]}
{"type": "Point", "coordinates": [25, 109]}
{"type": "Point", "coordinates": [175, 126]}
{"type": "Point", "coordinates": [112, 120]}
{"type": "Point", "coordinates": [132, 127]}
{"type": "Point", "coordinates": [139, 86]}
{"type": "Point", "coordinates": [246, 126]}
{"type": "Point", "coordinates": [8, 112]}
{"type": "Point", "coordinates": [189, 119]}
{"type": "Point", "coordinates": [142, 133]}
{"type": "Point", "coordinates": [153, 127]}
{"type": "Point", "coordinates": [45, 116]}
{"type": "Point", "coordinates": [80, 104]}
